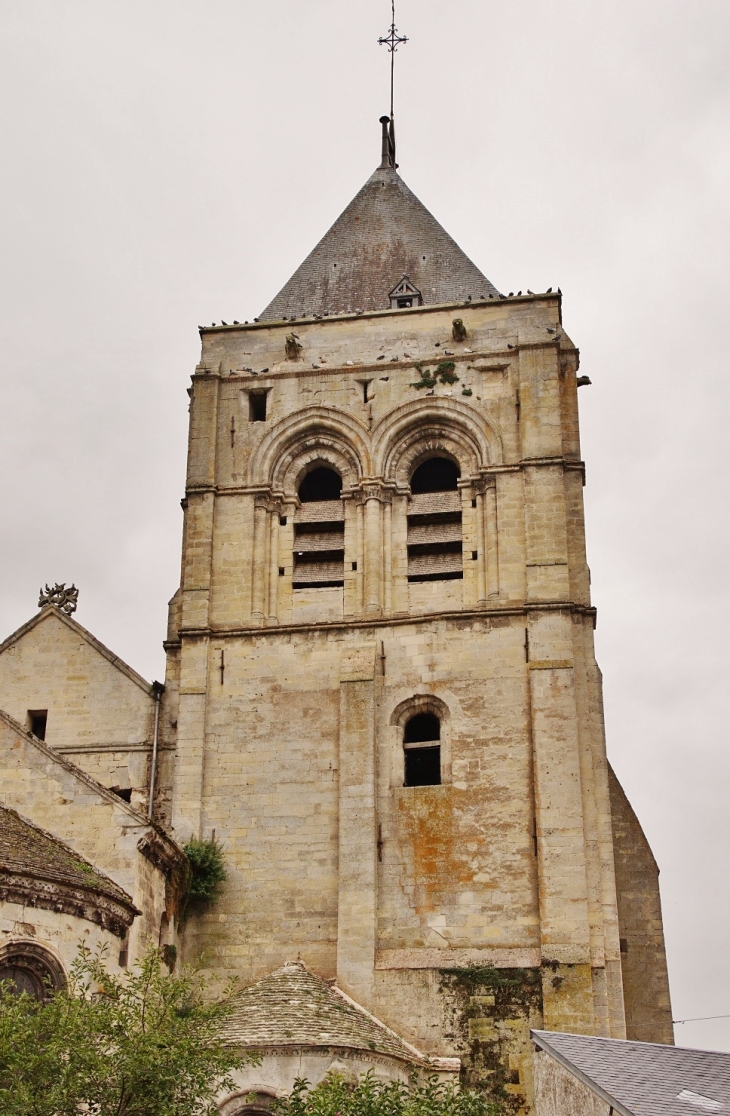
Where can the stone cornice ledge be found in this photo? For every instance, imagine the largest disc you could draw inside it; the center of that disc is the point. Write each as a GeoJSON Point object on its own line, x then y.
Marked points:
{"type": "Point", "coordinates": [521, 608]}
{"type": "Point", "coordinates": [91, 904]}
{"type": "Point", "coordinates": [510, 957]}
{"type": "Point", "coordinates": [487, 470]}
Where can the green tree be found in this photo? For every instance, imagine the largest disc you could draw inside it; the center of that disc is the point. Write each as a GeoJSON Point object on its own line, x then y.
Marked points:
{"type": "Point", "coordinates": [145, 1043]}
{"type": "Point", "coordinates": [369, 1097]}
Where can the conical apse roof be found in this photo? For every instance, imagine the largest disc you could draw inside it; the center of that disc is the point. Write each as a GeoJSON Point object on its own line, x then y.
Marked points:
{"type": "Point", "coordinates": [384, 234]}
{"type": "Point", "coordinates": [293, 1007]}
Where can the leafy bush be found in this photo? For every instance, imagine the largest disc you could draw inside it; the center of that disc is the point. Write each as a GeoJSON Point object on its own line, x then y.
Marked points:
{"type": "Point", "coordinates": [370, 1097]}
{"type": "Point", "coordinates": [145, 1043]}
{"type": "Point", "coordinates": [207, 873]}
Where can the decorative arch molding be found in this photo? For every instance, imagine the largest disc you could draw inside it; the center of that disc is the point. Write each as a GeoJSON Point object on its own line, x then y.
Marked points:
{"type": "Point", "coordinates": [40, 971]}
{"type": "Point", "coordinates": [327, 452]}
{"type": "Point", "coordinates": [417, 429]}
{"type": "Point", "coordinates": [419, 703]}
{"type": "Point", "coordinates": [315, 435]}
{"type": "Point", "coordinates": [255, 1099]}
{"type": "Point", "coordinates": [409, 707]}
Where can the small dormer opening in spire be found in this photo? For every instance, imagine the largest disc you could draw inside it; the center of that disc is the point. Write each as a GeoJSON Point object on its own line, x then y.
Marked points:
{"type": "Point", "coordinates": [404, 295]}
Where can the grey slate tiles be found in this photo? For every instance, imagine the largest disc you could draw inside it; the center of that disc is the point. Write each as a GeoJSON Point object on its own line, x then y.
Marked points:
{"type": "Point", "coordinates": [384, 234]}
{"type": "Point", "coordinates": [293, 1007]}
{"type": "Point", "coordinates": [643, 1078]}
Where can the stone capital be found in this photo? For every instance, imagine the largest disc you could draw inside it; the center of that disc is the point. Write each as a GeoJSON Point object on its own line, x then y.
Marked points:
{"type": "Point", "coordinates": [481, 484]}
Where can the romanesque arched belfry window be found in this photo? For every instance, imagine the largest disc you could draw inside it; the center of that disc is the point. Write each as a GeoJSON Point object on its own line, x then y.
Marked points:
{"type": "Point", "coordinates": [434, 522]}
{"type": "Point", "coordinates": [319, 532]}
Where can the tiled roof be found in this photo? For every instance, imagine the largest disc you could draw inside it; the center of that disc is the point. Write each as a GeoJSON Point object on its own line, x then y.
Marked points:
{"type": "Point", "coordinates": [643, 1078]}
{"type": "Point", "coordinates": [293, 1007]}
{"type": "Point", "coordinates": [27, 849]}
{"type": "Point", "coordinates": [384, 234]}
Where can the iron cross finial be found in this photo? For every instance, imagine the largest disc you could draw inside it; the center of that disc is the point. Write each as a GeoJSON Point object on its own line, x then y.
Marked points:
{"type": "Point", "coordinates": [392, 40]}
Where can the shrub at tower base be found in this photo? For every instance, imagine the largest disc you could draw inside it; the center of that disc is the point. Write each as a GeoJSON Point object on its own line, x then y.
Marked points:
{"type": "Point", "coordinates": [146, 1043]}
{"type": "Point", "coordinates": [370, 1097]}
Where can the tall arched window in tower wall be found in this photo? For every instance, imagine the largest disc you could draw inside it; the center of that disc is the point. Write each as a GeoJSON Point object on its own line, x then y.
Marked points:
{"type": "Point", "coordinates": [422, 746]}
{"type": "Point", "coordinates": [434, 522]}
{"type": "Point", "coordinates": [319, 532]}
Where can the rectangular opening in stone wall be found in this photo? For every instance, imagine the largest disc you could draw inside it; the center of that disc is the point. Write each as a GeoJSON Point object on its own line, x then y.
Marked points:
{"type": "Point", "coordinates": [37, 721]}
{"type": "Point", "coordinates": [423, 766]}
{"type": "Point", "coordinates": [257, 406]}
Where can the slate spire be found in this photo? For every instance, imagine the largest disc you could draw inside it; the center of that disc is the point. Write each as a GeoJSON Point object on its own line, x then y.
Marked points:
{"type": "Point", "coordinates": [385, 233]}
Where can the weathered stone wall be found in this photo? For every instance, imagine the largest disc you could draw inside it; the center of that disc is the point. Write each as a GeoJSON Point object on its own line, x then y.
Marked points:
{"type": "Point", "coordinates": [51, 792]}
{"type": "Point", "coordinates": [559, 1093]}
{"type": "Point", "coordinates": [100, 711]}
{"type": "Point", "coordinates": [457, 866]}
{"type": "Point", "coordinates": [60, 934]}
{"type": "Point", "coordinates": [643, 956]}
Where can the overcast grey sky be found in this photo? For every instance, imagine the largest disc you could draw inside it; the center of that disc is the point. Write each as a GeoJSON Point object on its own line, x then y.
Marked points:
{"type": "Point", "coordinates": [168, 164]}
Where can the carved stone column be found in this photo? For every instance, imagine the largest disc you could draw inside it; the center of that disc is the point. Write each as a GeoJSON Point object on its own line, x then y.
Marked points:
{"type": "Point", "coordinates": [360, 556]}
{"type": "Point", "coordinates": [274, 512]}
{"type": "Point", "coordinates": [372, 497]}
{"type": "Point", "coordinates": [481, 544]}
{"type": "Point", "coordinates": [387, 552]}
{"type": "Point", "coordinates": [399, 553]}
{"type": "Point", "coordinates": [492, 540]}
{"type": "Point", "coordinates": [259, 557]}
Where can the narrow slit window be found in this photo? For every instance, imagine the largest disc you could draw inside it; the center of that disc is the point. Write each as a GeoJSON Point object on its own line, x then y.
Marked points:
{"type": "Point", "coordinates": [257, 406]}
{"type": "Point", "coordinates": [422, 751]}
{"type": "Point", "coordinates": [434, 522]}
{"type": "Point", "coordinates": [319, 532]}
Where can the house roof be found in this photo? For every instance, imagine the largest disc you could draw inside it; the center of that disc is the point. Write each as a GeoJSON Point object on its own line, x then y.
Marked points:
{"type": "Point", "coordinates": [644, 1078]}
{"type": "Point", "coordinates": [293, 1007]}
{"type": "Point", "coordinates": [385, 233]}
{"type": "Point", "coordinates": [39, 869]}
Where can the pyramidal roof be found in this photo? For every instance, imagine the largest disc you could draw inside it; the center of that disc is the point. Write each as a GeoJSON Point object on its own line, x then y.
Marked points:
{"type": "Point", "coordinates": [385, 233]}
{"type": "Point", "coordinates": [293, 1007]}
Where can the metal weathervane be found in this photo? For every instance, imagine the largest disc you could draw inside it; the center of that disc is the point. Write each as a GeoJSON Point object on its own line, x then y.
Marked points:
{"type": "Point", "coordinates": [392, 40]}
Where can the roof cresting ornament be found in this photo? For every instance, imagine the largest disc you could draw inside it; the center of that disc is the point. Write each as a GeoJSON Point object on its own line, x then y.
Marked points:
{"type": "Point", "coordinates": [62, 598]}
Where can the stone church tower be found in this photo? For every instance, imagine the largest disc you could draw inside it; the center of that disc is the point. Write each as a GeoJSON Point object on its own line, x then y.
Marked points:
{"type": "Point", "coordinates": [380, 659]}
